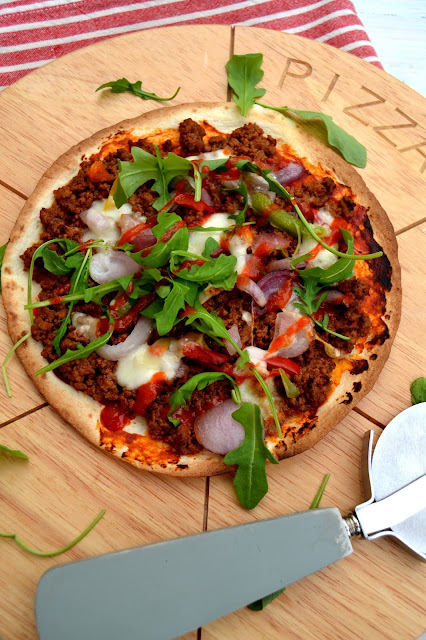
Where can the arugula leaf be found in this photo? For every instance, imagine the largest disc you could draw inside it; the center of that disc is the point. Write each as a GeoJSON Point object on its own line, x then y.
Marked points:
{"type": "Point", "coordinates": [145, 167]}
{"type": "Point", "coordinates": [241, 216]}
{"type": "Point", "coordinates": [210, 246]}
{"type": "Point", "coordinates": [160, 252]}
{"type": "Point", "coordinates": [57, 552]}
{"type": "Point", "coordinates": [174, 302]}
{"type": "Point", "coordinates": [170, 167]}
{"type": "Point", "coordinates": [13, 452]}
{"type": "Point", "coordinates": [200, 381]}
{"type": "Point", "coordinates": [6, 360]}
{"type": "Point", "coordinates": [78, 283]}
{"type": "Point", "coordinates": [290, 388]}
{"type": "Point", "coordinates": [418, 391]}
{"type": "Point", "coordinates": [165, 221]}
{"type": "Point", "coordinates": [340, 270]}
{"type": "Point", "coordinates": [76, 354]}
{"type": "Point", "coordinates": [218, 271]}
{"type": "Point", "coordinates": [250, 480]}
{"type": "Point", "coordinates": [122, 85]}
{"type": "Point", "coordinates": [153, 309]}
{"type": "Point", "coordinates": [352, 151]}
{"type": "Point", "coordinates": [131, 175]}
{"type": "Point", "coordinates": [213, 165]}
{"type": "Point", "coordinates": [244, 73]}
{"type": "Point", "coordinates": [309, 227]}
{"type": "Point", "coordinates": [2, 250]}
{"type": "Point", "coordinates": [198, 179]}
{"type": "Point", "coordinates": [261, 604]}
{"type": "Point", "coordinates": [316, 501]}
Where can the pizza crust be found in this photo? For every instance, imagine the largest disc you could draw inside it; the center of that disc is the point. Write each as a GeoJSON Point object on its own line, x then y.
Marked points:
{"type": "Point", "coordinates": [225, 117]}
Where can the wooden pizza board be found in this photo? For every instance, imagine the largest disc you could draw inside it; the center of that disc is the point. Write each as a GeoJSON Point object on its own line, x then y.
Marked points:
{"type": "Point", "coordinates": [379, 591]}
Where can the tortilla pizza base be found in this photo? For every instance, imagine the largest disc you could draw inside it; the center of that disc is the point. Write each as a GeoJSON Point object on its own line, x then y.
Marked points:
{"type": "Point", "coordinates": [80, 410]}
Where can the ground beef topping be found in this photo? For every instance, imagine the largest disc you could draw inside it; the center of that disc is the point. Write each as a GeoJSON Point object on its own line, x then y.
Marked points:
{"type": "Point", "coordinates": [97, 376]}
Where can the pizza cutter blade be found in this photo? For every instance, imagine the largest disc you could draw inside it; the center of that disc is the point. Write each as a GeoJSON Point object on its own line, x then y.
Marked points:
{"type": "Point", "coordinates": [163, 590]}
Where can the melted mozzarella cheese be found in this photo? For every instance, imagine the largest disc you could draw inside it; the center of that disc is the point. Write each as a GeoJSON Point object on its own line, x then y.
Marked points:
{"type": "Point", "coordinates": [210, 155]}
{"type": "Point", "coordinates": [324, 217]}
{"type": "Point", "coordinates": [246, 316]}
{"type": "Point", "coordinates": [113, 215]}
{"type": "Point", "coordinates": [85, 325]}
{"type": "Point", "coordinates": [138, 367]}
{"type": "Point", "coordinates": [198, 239]}
{"type": "Point", "coordinates": [238, 248]}
{"type": "Point", "coordinates": [324, 259]}
{"type": "Point", "coordinates": [137, 426]}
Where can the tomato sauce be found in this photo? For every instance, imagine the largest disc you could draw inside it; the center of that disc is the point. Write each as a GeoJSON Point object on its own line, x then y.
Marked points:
{"type": "Point", "coordinates": [113, 419]}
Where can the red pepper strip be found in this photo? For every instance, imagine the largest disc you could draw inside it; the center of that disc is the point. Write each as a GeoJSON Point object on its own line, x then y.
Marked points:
{"type": "Point", "coordinates": [187, 200]}
{"type": "Point", "coordinates": [102, 327]}
{"type": "Point", "coordinates": [284, 363]}
{"type": "Point", "coordinates": [99, 173]}
{"type": "Point", "coordinates": [307, 211]}
{"type": "Point", "coordinates": [195, 352]}
{"type": "Point", "coordinates": [171, 232]}
{"type": "Point", "coordinates": [147, 393]}
{"type": "Point", "coordinates": [131, 233]}
{"type": "Point", "coordinates": [121, 299]}
{"type": "Point", "coordinates": [232, 174]}
{"type": "Point", "coordinates": [126, 321]}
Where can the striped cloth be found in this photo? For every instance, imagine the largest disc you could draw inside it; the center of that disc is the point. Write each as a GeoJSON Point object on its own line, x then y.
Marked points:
{"type": "Point", "coordinates": [33, 33]}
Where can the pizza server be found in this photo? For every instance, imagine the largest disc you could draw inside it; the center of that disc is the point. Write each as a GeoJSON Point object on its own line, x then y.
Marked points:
{"type": "Point", "coordinates": [163, 590]}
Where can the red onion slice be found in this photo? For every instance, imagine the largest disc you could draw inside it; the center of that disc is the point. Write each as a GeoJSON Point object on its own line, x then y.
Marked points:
{"type": "Point", "coordinates": [250, 287]}
{"type": "Point", "coordinates": [138, 336]}
{"type": "Point", "coordinates": [273, 282]}
{"type": "Point", "coordinates": [299, 342]}
{"type": "Point", "coordinates": [235, 335]}
{"type": "Point", "coordinates": [284, 320]}
{"type": "Point", "coordinates": [291, 172]}
{"type": "Point", "coordinates": [108, 265]}
{"type": "Point", "coordinates": [95, 220]}
{"type": "Point", "coordinates": [206, 197]}
{"type": "Point", "coordinates": [334, 296]}
{"type": "Point", "coordinates": [217, 431]}
{"type": "Point", "coordinates": [127, 222]}
{"type": "Point", "coordinates": [144, 239]}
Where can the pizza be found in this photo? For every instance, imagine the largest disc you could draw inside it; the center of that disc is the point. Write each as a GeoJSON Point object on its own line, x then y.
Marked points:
{"type": "Point", "coordinates": [172, 268]}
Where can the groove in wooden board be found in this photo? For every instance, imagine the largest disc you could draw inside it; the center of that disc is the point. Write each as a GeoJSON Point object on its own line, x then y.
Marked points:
{"type": "Point", "coordinates": [25, 395]}
{"type": "Point", "coordinates": [407, 361]}
{"type": "Point", "coordinates": [49, 499]}
{"type": "Point", "coordinates": [376, 593]}
{"type": "Point", "coordinates": [301, 73]}
{"type": "Point", "coordinates": [46, 112]}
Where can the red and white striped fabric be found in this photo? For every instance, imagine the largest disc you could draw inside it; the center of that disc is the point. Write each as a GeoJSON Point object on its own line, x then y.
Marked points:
{"type": "Point", "coordinates": [33, 33]}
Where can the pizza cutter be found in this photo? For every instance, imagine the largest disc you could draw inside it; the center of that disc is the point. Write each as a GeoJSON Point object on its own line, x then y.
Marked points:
{"type": "Point", "coordinates": [161, 591]}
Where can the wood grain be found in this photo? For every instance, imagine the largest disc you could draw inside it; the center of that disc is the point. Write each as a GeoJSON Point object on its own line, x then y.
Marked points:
{"type": "Point", "coordinates": [407, 361]}
{"type": "Point", "coordinates": [25, 395]}
{"type": "Point", "coordinates": [46, 112]}
{"type": "Point", "coordinates": [52, 497]}
{"type": "Point", "coordinates": [376, 593]}
{"type": "Point", "coordinates": [309, 75]}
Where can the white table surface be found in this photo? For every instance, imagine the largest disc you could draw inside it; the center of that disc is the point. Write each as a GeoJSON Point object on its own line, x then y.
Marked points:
{"type": "Point", "coordinates": [397, 30]}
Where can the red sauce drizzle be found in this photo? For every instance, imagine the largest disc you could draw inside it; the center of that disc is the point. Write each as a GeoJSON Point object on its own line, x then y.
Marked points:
{"type": "Point", "coordinates": [113, 419]}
